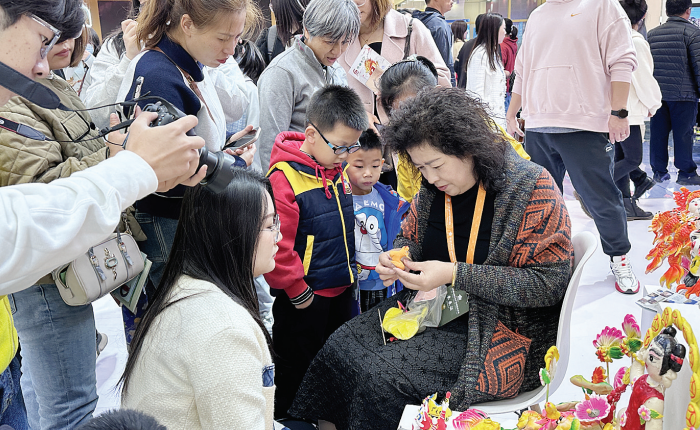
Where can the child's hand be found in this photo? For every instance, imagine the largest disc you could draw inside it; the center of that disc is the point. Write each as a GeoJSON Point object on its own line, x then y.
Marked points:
{"type": "Point", "coordinates": [306, 304]}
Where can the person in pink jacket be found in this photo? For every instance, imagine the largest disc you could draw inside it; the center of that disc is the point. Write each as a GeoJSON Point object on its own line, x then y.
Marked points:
{"type": "Point", "coordinates": [574, 102]}
{"type": "Point", "coordinates": [385, 31]}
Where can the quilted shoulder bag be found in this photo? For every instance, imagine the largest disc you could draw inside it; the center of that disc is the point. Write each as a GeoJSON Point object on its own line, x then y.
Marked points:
{"type": "Point", "coordinates": [101, 270]}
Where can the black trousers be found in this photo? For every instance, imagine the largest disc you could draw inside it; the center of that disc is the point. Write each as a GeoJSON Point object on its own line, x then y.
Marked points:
{"type": "Point", "coordinates": [678, 116]}
{"type": "Point", "coordinates": [588, 157]}
{"type": "Point", "coordinates": [298, 335]}
{"type": "Point", "coordinates": [628, 157]}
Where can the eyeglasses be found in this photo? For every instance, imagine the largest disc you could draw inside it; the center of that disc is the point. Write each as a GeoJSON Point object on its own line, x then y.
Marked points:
{"type": "Point", "coordinates": [360, 2]}
{"type": "Point", "coordinates": [56, 35]}
{"type": "Point", "coordinates": [275, 228]}
{"type": "Point", "coordinates": [337, 150]}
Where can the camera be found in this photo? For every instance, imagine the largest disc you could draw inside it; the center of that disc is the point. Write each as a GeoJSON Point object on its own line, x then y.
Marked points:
{"type": "Point", "coordinates": [219, 164]}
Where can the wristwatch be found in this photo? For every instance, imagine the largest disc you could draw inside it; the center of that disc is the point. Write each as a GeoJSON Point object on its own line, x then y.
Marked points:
{"type": "Point", "coordinates": [622, 113]}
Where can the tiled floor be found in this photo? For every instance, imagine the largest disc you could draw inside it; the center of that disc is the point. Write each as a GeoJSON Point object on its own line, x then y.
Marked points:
{"type": "Point", "coordinates": [597, 303]}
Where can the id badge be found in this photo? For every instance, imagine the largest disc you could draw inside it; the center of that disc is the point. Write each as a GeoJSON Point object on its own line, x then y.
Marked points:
{"type": "Point", "coordinates": [455, 305]}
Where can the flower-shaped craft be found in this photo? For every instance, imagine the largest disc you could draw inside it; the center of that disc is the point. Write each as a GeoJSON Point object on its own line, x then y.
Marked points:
{"type": "Point", "coordinates": [592, 410]}
{"type": "Point", "coordinates": [646, 414]}
{"type": "Point", "coordinates": [623, 419]}
{"type": "Point", "coordinates": [608, 345]}
{"type": "Point", "coordinates": [633, 336]}
{"type": "Point", "coordinates": [599, 375]}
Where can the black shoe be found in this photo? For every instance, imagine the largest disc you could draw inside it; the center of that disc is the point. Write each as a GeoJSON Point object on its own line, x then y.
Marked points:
{"type": "Point", "coordinates": [580, 200]}
{"type": "Point", "coordinates": [661, 177]}
{"type": "Point", "coordinates": [691, 180]}
{"type": "Point", "coordinates": [634, 212]}
{"type": "Point", "coordinates": [639, 190]}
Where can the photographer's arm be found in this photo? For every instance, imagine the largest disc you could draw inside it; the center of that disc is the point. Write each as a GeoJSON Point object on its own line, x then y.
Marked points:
{"type": "Point", "coordinates": [46, 225]}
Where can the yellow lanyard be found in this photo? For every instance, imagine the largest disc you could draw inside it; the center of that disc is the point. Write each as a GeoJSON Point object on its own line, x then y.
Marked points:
{"type": "Point", "coordinates": [476, 221]}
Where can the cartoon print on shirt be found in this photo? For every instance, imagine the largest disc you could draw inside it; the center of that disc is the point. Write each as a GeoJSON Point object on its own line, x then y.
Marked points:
{"type": "Point", "coordinates": [369, 241]}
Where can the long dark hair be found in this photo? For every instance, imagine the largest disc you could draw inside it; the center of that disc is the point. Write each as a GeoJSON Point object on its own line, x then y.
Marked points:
{"type": "Point", "coordinates": [215, 241]}
{"type": "Point", "coordinates": [249, 59]}
{"type": "Point", "coordinates": [117, 36]}
{"type": "Point", "coordinates": [488, 38]}
{"type": "Point", "coordinates": [455, 124]}
{"type": "Point", "coordinates": [288, 18]}
{"type": "Point", "coordinates": [635, 9]}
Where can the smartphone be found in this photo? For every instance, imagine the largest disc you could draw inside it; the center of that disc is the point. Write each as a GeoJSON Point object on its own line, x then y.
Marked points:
{"type": "Point", "coordinates": [250, 138]}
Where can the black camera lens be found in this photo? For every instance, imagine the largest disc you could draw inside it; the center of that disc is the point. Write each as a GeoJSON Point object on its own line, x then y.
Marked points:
{"type": "Point", "coordinates": [219, 164]}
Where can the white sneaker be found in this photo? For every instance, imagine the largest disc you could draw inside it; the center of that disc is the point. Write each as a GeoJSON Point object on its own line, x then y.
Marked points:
{"type": "Point", "coordinates": [625, 281]}
{"type": "Point", "coordinates": [100, 341]}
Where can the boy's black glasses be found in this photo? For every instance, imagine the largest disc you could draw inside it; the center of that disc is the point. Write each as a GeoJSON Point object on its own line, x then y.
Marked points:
{"type": "Point", "coordinates": [337, 150]}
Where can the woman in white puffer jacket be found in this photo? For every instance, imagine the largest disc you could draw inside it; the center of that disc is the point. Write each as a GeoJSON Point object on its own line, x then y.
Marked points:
{"type": "Point", "coordinates": [486, 79]}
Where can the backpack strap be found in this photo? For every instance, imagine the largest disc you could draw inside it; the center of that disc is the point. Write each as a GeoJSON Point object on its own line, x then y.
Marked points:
{"type": "Point", "coordinates": [407, 45]}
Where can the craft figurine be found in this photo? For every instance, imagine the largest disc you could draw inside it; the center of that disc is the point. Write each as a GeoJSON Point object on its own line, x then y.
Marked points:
{"type": "Point", "coordinates": [662, 360]}
{"type": "Point", "coordinates": [396, 256]}
{"type": "Point", "coordinates": [433, 416]}
{"type": "Point", "coordinates": [672, 238]}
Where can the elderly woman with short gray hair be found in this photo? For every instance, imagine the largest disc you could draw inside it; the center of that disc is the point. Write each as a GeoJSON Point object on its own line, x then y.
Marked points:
{"type": "Point", "coordinates": [287, 84]}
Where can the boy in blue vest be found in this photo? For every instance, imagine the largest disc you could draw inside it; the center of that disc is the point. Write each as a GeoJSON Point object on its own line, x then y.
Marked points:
{"type": "Point", "coordinates": [315, 264]}
{"type": "Point", "coordinates": [378, 213]}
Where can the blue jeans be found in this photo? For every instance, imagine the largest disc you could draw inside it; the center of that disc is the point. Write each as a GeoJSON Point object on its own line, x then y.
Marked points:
{"type": "Point", "coordinates": [160, 233]}
{"type": "Point", "coordinates": [58, 358]}
{"type": "Point", "coordinates": [12, 410]}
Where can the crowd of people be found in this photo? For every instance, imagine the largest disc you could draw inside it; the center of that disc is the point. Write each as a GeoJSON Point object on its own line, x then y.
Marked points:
{"type": "Point", "coordinates": [260, 306]}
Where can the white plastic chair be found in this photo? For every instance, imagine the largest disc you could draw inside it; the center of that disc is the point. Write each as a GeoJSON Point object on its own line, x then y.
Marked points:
{"type": "Point", "coordinates": [585, 243]}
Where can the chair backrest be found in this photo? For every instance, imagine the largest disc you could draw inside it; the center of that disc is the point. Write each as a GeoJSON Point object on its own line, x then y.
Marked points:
{"type": "Point", "coordinates": [585, 244]}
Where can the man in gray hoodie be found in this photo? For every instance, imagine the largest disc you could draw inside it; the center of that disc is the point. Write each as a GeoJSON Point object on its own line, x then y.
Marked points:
{"type": "Point", "coordinates": [287, 84]}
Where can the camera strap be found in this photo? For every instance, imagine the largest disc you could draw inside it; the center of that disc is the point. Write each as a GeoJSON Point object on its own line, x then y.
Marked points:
{"type": "Point", "coordinates": [190, 80]}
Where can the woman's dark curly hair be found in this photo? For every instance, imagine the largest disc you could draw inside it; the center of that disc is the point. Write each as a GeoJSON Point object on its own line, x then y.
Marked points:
{"type": "Point", "coordinates": [455, 124]}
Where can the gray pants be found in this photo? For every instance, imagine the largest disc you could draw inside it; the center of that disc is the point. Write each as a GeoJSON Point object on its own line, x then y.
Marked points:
{"type": "Point", "coordinates": [588, 157]}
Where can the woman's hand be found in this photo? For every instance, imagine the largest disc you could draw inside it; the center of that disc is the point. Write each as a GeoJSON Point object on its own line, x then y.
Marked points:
{"type": "Point", "coordinates": [386, 269]}
{"type": "Point", "coordinates": [513, 127]}
{"type": "Point", "coordinates": [431, 274]}
{"type": "Point", "coordinates": [115, 139]}
{"type": "Point", "coordinates": [133, 47]}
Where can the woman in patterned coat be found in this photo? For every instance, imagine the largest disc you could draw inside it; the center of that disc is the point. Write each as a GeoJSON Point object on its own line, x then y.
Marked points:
{"type": "Point", "coordinates": [520, 266]}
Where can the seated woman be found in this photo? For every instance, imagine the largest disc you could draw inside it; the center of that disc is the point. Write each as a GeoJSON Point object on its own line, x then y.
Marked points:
{"type": "Point", "coordinates": [200, 357]}
{"type": "Point", "coordinates": [515, 279]}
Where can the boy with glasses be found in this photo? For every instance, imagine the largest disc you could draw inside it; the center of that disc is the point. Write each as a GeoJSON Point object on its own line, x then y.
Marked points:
{"type": "Point", "coordinates": [315, 264]}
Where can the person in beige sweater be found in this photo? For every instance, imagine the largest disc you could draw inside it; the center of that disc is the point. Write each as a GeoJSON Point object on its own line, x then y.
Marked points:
{"type": "Point", "coordinates": [200, 358]}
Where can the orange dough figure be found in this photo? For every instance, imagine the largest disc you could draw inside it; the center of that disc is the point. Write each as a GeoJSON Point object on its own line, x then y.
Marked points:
{"type": "Point", "coordinates": [396, 256]}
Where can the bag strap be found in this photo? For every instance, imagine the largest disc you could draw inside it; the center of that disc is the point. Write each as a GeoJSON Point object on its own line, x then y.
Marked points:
{"type": "Point", "coordinates": [271, 37]}
{"type": "Point", "coordinates": [407, 45]}
{"type": "Point", "coordinates": [190, 80]}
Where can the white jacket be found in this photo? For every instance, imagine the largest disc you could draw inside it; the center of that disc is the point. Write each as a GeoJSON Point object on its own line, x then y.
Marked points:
{"type": "Point", "coordinates": [645, 94]}
{"type": "Point", "coordinates": [46, 225]}
{"type": "Point", "coordinates": [105, 77]}
{"type": "Point", "coordinates": [487, 85]}
{"type": "Point", "coordinates": [202, 363]}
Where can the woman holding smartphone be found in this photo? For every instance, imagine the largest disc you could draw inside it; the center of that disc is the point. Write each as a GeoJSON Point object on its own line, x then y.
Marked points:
{"type": "Point", "coordinates": [183, 42]}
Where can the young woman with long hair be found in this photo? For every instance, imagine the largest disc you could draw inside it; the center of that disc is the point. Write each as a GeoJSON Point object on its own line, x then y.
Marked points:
{"type": "Point", "coordinates": [486, 79]}
{"type": "Point", "coordinates": [459, 29]}
{"type": "Point", "coordinates": [643, 102]}
{"type": "Point", "coordinates": [288, 23]}
{"type": "Point", "coordinates": [200, 357]}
